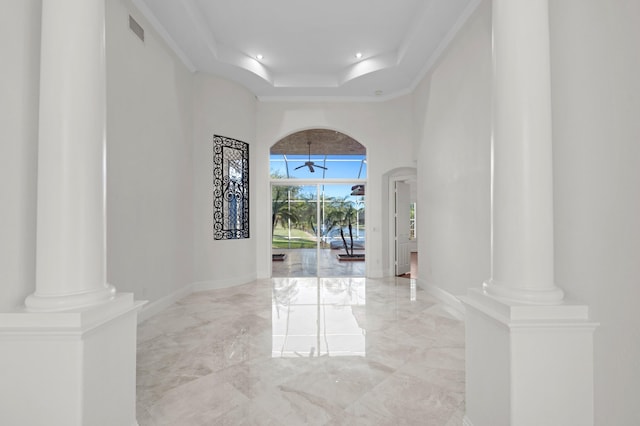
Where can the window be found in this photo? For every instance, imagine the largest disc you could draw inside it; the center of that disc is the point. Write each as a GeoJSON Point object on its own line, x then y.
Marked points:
{"type": "Point", "coordinates": [291, 166]}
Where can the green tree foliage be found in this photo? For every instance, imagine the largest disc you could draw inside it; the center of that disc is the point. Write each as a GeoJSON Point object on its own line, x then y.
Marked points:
{"type": "Point", "coordinates": [281, 209]}
{"type": "Point", "coordinates": [291, 207]}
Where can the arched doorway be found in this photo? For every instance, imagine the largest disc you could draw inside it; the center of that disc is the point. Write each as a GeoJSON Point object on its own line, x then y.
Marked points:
{"type": "Point", "coordinates": [318, 181]}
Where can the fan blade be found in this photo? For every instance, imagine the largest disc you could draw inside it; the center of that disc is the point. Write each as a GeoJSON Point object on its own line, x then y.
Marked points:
{"type": "Point", "coordinates": [299, 167]}
{"type": "Point", "coordinates": [311, 168]}
{"type": "Point", "coordinates": [322, 167]}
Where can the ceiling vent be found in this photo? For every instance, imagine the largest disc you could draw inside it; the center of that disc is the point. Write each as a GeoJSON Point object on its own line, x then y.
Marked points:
{"type": "Point", "coordinates": [136, 28]}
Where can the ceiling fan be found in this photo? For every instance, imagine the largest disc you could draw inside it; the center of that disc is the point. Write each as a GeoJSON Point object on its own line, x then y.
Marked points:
{"type": "Point", "coordinates": [310, 164]}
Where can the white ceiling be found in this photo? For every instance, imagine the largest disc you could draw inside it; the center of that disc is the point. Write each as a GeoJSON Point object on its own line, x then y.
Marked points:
{"type": "Point", "coordinates": [309, 47]}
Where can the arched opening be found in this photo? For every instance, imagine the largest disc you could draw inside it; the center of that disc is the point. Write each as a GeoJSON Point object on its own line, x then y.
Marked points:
{"type": "Point", "coordinates": [318, 181]}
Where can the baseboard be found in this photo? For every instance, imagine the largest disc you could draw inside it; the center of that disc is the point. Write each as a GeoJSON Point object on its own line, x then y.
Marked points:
{"type": "Point", "coordinates": [376, 273]}
{"type": "Point", "coordinates": [151, 309]}
{"type": "Point", "coordinates": [225, 283]}
{"type": "Point", "coordinates": [466, 421]}
{"type": "Point", "coordinates": [159, 305]}
{"type": "Point", "coordinates": [451, 301]}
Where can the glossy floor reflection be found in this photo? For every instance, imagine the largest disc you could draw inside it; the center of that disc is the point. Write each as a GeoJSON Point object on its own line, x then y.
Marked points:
{"type": "Point", "coordinates": [313, 263]}
{"type": "Point", "coordinates": [303, 351]}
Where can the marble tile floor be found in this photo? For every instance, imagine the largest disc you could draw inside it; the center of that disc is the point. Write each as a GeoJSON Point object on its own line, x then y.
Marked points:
{"type": "Point", "coordinates": [303, 351]}
{"type": "Point", "coordinates": [312, 263]}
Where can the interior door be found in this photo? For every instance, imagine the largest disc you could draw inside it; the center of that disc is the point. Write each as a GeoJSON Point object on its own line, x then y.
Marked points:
{"type": "Point", "coordinates": [402, 225]}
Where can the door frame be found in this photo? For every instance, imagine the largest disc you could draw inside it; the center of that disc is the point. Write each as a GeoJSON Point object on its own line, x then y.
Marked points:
{"type": "Point", "coordinates": [402, 191]}
{"type": "Point", "coordinates": [405, 175]}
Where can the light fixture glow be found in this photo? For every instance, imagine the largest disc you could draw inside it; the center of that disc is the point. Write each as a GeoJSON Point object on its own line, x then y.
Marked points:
{"type": "Point", "coordinates": [358, 55]}
{"type": "Point", "coordinates": [259, 56]}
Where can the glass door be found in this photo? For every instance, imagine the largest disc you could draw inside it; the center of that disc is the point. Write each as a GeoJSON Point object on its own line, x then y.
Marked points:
{"type": "Point", "coordinates": [318, 230]}
{"type": "Point", "coordinates": [342, 225]}
{"type": "Point", "coordinates": [294, 231]}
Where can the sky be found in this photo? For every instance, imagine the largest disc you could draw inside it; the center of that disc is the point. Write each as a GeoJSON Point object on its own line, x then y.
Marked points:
{"type": "Point", "coordinates": [338, 166]}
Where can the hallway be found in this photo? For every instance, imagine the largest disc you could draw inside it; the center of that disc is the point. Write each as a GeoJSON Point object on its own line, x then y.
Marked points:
{"type": "Point", "coordinates": [291, 351]}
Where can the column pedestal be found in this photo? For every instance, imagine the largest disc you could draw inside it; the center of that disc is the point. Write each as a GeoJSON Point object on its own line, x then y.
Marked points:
{"type": "Point", "coordinates": [527, 364]}
{"type": "Point", "coordinates": [73, 368]}
{"type": "Point", "coordinates": [529, 353]}
{"type": "Point", "coordinates": [68, 357]}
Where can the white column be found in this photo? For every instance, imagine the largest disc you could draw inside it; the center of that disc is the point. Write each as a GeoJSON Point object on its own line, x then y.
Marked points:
{"type": "Point", "coordinates": [532, 349]}
{"type": "Point", "coordinates": [72, 352]}
{"type": "Point", "coordinates": [71, 218]}
{"type": "Point", "coordinates": [522, 181]}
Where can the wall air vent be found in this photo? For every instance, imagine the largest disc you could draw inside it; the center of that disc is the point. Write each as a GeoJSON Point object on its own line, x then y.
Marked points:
{"type": "Point", "coordinates": [136, 28]}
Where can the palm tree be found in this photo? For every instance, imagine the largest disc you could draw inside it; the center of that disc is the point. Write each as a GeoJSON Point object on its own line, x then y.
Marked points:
{"type": "Point", "coordinates": [349, 214]}
{"type": "Point", "coordinates": [281, 207]}
{"type": "Point", "coordinates": [333, 213]}
{"type": "Point", "coordinates": [307, 211]}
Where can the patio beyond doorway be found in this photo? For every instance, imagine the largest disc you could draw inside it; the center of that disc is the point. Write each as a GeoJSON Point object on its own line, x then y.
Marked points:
{"type": "Point", "coordinates": [304, 263]}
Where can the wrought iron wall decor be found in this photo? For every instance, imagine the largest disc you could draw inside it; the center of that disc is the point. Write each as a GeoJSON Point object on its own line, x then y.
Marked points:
{"type": "Point", "coordinates": [230, 188]}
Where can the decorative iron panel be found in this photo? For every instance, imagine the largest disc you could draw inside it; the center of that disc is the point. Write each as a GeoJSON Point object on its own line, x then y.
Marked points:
{"type": "Point", "coordinates": [230, 188]}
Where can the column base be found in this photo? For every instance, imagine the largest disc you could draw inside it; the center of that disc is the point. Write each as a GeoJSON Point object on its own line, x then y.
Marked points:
{"type": "Point", "coordinates": [38, 303]}
{"type": "Point", "coordinates": [527, 364]}
{"type": "Point", "coordinates": [74, 368]}
{"type": "Point", "coordinates": [547, 296]}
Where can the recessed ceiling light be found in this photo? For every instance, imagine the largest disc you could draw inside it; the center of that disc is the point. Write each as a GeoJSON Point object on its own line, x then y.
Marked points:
{"type": "Point", "coordinates": [259, 56]}
{"type": "Point", "coordinates": [358, 55]}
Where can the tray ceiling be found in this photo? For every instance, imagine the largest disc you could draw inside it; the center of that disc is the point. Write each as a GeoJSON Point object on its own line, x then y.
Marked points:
{"type": "Point", "coordinates": [309, 48]}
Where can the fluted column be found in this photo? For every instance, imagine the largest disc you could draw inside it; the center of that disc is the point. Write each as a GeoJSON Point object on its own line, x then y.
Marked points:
{"type": "Point", "coordinates": [71, 216]}
{"type": "Point", "coordinates": [522, 180]}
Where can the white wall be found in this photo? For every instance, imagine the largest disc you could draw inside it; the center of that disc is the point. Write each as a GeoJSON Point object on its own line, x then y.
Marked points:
{"type": "Point", "coordinates": [596, 104]}
{"type": "Point", "coordinates": [596, 110]}
{"type": "Point", "coordinates": [149, 161]}
{"type": "Point", "coordinates": [227, 109]}
{"type": "Point", "coordinates": [452, 108]}
{"type": "Point", "coordinates": [384, 128]}
{"type": "Point", "coordinates": [19, 94]}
